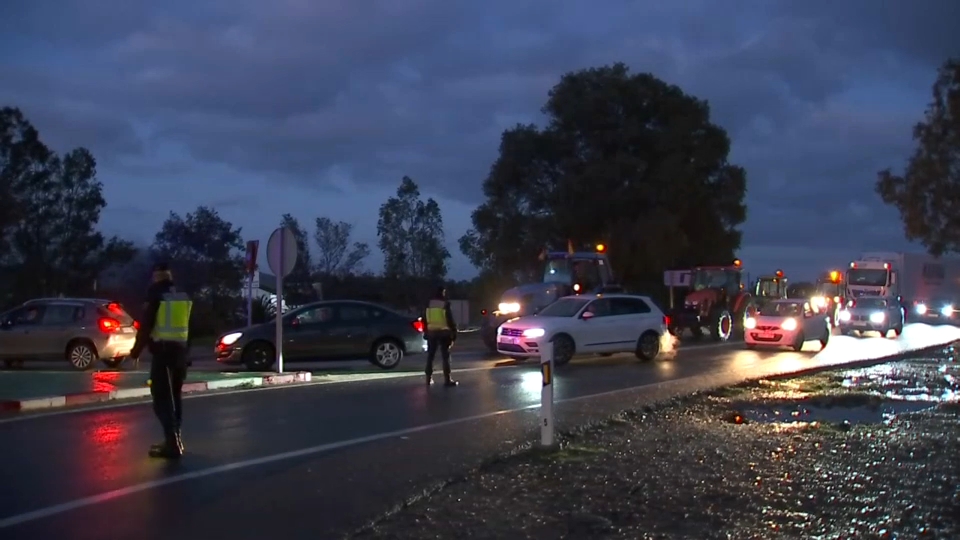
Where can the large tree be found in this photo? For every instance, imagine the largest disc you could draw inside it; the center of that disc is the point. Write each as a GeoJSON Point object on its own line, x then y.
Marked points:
{"type": "Point", "coordinates": [49, 211]}
{"type": "Point", "coordinates": [928, 193]}
{"type": "Point", "coordinates": [625, 159]}
{"type": "Point", "coordinates": [410, 232]}
{"type": "Point", "coordinates": [336, 256]}
{"type": "Point", "coordinates": [205, 253]}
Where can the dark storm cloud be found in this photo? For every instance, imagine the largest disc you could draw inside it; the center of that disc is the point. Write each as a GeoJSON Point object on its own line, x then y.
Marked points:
{"type": "Point", "coordinates": [294, 89]}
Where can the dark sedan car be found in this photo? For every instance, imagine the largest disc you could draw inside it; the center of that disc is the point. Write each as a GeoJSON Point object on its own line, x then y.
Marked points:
{"type": "Point", "coordinates": [332, 330]}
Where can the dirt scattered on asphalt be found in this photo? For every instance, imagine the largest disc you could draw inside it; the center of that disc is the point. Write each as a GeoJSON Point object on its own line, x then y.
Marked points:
{"type": "Point", "coordinates": [869, 453]}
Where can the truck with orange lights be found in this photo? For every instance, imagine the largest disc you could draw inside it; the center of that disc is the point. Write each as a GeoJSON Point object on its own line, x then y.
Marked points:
{"type": "Point", "coordinates": [830, 295]}
{"type": "Point", "coordinates": [927, 287]}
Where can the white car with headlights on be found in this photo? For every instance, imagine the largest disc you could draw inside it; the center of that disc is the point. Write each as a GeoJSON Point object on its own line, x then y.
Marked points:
{"type": "Point", "coordinates": [872, 313]}
{"type": "Point", "coordinates": [600, 324]}
{"type": "Point", "coordinates": [786, 323]}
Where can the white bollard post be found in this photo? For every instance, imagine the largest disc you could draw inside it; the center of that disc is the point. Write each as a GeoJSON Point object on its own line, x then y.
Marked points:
{"type": "Point", "coordinates": [546, 395]}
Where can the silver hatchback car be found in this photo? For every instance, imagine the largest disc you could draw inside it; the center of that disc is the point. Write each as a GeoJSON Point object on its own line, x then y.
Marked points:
{"type": "Point", "coordinates": [78, 330]}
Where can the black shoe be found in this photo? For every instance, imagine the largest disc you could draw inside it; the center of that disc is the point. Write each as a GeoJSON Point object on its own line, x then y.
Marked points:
{"type": "Point", "coordinates": [450, 383]}
{"type": "Point", "coordinates": [169, 450]}
{"type": "Point", "coordinates": [429, 380]}
{"type": "Point", "coordinates": [160, 446]}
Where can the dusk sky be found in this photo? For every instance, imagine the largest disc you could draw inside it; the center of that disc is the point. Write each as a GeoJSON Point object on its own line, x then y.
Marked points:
{"type": "Point", "coordinates": [319, 108]}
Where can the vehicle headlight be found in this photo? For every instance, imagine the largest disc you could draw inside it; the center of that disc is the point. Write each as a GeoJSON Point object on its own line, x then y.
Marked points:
{"type": "Point", "coordinates": [877, 317]}
{"type": "Point", "coordinates": [819, 301]}
{"type": "Point", "coordinates": [836, 299]}
{"type": "Point", "coordinates": [844, 315]}
{"type": "Point", "coordinates": [533, 332]}
{"type": "Point", "coordinates": [946, 311]}
{"type": "Point", "coordinates": [230, 339]}
{"type": "Point", "coordinates": [750, 323]}
{"type": "Point", "coordinates": [789, 325]}
{"type": "Point", "coordinates": [921, 309]}
{"type": "Point", "coordinates": [509, 307]}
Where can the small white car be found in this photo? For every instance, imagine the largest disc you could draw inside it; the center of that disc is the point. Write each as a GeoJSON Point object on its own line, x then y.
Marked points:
{"type": "Point", "coordinates": [601, 324]}
{"type": "Point", "coordinates": [786, 323]}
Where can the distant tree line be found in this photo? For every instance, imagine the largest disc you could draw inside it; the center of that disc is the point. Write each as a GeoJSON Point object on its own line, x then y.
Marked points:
{"type": "Point", "coordinates": [624, 159]}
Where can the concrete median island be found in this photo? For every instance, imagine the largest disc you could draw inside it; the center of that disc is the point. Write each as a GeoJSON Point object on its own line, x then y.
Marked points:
{"type": "Point", "coordinates": [869, 452]}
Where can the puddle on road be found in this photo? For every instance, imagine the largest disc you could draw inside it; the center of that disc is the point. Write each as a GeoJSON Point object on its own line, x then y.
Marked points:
{"type": "Point", "coordinates": [872, 395]}
{"type": "Point", "coordinates": [804, 413]}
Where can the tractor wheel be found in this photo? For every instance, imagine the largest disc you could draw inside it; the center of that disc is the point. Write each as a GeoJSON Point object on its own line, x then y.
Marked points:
{"type": "Point", "coordinates": [722, 325]}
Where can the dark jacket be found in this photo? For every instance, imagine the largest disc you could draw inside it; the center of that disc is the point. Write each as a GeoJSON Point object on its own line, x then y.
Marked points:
{"type": "Point", "coordinates": [450, 321]}
{"type": "Point", "coordinates": [149, 320]}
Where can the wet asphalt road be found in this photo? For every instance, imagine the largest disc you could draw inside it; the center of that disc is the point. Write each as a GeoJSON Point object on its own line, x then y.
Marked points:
{"type": "Point", "coordinates": [328, 457]}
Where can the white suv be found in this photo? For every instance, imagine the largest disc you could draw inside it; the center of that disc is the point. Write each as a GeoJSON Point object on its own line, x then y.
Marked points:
{"type": "Point", "coordinates": [601, 324]}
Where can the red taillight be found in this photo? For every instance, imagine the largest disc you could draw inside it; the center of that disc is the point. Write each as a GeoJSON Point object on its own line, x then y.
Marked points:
{"type": "Point", "coordinates": [136, 324]}
{"type": "Point", "coordinates": [114, 307]}
{"type": "Point", "coordinates": [666, 321]}
{"type": "Point", "coordinates": [108, 325]}
{"type": "Point", "coordinates": [418, 324]}
{"type": "Point", "coordinates": [483, 312]}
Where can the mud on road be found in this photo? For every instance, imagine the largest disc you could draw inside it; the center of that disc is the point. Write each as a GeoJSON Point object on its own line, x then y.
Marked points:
{"type": "Point", "coordinates": [868, 453]}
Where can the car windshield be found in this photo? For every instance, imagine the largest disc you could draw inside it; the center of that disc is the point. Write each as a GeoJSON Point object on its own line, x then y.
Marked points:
{"type": "Point", "coordinates": [565, 307]}
{"type": "Point", "coordinates": [874, 303]}
{"type": "Point", "coordinates": [869, 277]}
{"type": "Point", "coordinates": [782, 309]}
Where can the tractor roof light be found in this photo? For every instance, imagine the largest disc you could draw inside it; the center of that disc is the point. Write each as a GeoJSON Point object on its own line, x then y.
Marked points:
{"type": "Point", "coordinates": [601, 248]}
{"type": "Point", "coordinates": [779, 273]}
{"type": "Point", "coordinates": [737, 263]}
{"type": "Point", "coordinates": [834, 276]}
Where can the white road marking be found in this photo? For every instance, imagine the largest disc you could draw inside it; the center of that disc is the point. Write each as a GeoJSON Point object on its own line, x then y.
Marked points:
{"type": "Point", "coordinates": [137, 488]}
{"type": "Point", "coordinates": [23, 417]}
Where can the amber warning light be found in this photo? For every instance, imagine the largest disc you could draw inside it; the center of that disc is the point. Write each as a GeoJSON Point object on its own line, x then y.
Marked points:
{"type": "Point", "coordinates": [601, 248]}
{"type": "Point", "coordinates": [779, 273]}
{"type": "Point", "coordinates": [736, 262]}
{"type": "Point", "coordinates": [834, 276]}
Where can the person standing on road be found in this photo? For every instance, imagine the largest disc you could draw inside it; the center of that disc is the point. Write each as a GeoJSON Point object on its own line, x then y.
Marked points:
{"type": "Point", "coordinates": [165, 332]}
{"type": "Point", "coordinates": [441, 332]}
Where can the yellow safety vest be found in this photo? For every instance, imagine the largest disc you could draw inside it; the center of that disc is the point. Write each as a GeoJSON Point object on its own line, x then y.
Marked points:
{"type": "Point", "coordinates": [173, 318]}
{"type": "Point", "coordinates": [437, 315]}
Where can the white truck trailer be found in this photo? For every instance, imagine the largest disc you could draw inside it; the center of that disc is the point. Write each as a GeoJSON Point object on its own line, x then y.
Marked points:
{"type": "Point", "coordinates": [927, 286]}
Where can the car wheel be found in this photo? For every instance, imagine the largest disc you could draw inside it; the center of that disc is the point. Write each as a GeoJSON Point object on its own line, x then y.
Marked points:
{"type": "Point", "coordinates": [798, 343]}
{"type": "Point", "coordinates": [259, 356]}
{"type": "Point", "coordinates": [81, 355]}
{"type": "Point", "coordinates": [648, 346]}
{"type": "Point", "coordinates": [386, 353]}
{"type": "Point", "coordinates": [563, 349]}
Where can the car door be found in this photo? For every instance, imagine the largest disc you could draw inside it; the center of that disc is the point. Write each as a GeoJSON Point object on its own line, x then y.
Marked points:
{"type": "Point", "coordinates": [309, 337]}
{"type": "Point", "coordinates": [814, 323]}
{"type": "Point", "coordinates": [58, 325]}
{"type": "Point", "coordinates": [633, 317]}
{"type": "Point", "coordinates": [18, 335]}
{"type": "Point", "coordinates": [598, 333]}
{"type": "Point", "coordinates": [350, 336]}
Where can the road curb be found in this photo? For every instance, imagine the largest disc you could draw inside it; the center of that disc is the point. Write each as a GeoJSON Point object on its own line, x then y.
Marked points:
{"type": "Point", "coordinates": [86, 398]}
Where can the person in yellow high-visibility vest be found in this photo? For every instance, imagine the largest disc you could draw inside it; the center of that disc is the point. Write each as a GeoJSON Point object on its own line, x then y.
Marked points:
{"type": "Point", "coordinates": [441, 332]}
{"type": "Point", "coordinates": [165, 332]}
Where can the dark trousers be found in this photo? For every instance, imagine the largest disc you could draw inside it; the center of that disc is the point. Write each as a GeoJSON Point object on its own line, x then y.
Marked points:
{"type": "Point", "coordinates": [168, 369]}
{"type": "Point", "coordinates": [441, 340]}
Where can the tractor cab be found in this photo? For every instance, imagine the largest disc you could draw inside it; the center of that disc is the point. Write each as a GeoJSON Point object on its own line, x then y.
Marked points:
{"type": "Point", "coordinates": [830, 294]}
{"type": "Point", "coordinates": [721, 278]}
{"type": "Point", "coordinates": [581, 272]}
{"type": "Point", "coordinates": [770, 287]}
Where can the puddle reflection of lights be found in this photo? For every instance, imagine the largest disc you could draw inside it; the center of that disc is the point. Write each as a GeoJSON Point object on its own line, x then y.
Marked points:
{"type": "Point", "coordinates": [105, 381]}
{"type": "Point", "coordinates": [531, 382]}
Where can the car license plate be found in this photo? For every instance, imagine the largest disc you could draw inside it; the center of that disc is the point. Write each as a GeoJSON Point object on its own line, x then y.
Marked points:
{"type": "Point", "coordinates": [129, 330]}
{"type": "Point", "coordinates": [510, 340]}
{"type": "Point", "coordinates": [766, 335]}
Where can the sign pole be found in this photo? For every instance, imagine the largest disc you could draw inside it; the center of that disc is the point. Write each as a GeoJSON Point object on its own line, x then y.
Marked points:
{"type": "Point", "coordinates": [280, 309]}
{"type": "Point", "coordinates": [250, 300]}
{"type": "Point", "coordinates": [546, 395]}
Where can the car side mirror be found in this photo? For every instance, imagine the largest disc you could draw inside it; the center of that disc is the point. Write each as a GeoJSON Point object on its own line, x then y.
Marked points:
{"type": "Point", "coordinates": [587, 315]}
